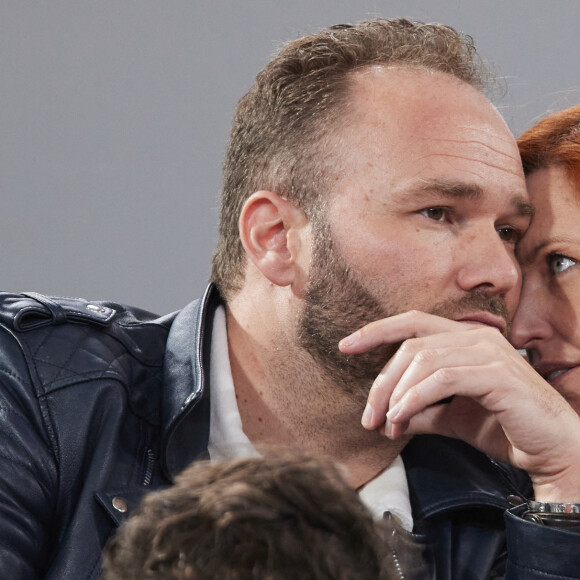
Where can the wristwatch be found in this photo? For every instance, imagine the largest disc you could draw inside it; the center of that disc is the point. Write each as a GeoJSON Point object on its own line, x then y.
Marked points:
{"type": "Point", "coordinates": [557, 514]}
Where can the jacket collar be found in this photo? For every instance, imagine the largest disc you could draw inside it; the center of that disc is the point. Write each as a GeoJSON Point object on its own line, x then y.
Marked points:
{"type": "Point", "coordinates": [186, 384]}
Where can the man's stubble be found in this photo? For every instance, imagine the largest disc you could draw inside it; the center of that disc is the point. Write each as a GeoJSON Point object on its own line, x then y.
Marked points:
{"type": "Point", "coordinates": [336, 303]}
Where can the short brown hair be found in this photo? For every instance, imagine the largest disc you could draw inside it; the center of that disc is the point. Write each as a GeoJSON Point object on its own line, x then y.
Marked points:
{"type": "Point", "coordinates": [284, 516]}
{"type": "Point", "coordinates": [555, 140]}
{"type": "Point", "coordinates": [282, 128]}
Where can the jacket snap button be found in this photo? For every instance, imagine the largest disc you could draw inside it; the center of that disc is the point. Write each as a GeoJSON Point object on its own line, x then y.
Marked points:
{"type": "Point", "coordinates": [120, 504]}
{"type": "Point", "coordinates": [95, 308]}
{"type": "Point", "coordinates": [514, 500]}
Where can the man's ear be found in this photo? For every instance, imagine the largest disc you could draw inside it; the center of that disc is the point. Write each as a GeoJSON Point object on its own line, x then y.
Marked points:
{"type": "Point", "coordinates": [269, 229]}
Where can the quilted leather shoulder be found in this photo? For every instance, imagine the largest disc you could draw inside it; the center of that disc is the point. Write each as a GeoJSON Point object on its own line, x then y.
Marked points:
{"type": "Point", "coordinates": [72, 339]}
{"type": "Point", "coordinates": [30, 310]}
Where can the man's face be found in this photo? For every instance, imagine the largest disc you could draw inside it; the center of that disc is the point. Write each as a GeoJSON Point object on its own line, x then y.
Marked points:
{"type": "Point", "coordinates": [425, 215]}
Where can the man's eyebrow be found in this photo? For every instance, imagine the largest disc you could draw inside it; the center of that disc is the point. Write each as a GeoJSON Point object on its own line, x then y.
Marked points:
{"type": "Point", "coordinates": [450, 189]}
{"type": "Point", "coordinates": [471, 191]}
{"type": "Point", "coordinates": [523, 206]}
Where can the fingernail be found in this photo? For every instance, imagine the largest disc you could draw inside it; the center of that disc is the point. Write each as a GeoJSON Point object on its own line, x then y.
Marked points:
{"type": "Point", "coordinates": [388, 429]}
{"type": "Point", "coordinates": [367, 418]}
{"type": "Point", "coordinates": [349, 340]}
{"type": "Point", "coordinates": [394, 412]}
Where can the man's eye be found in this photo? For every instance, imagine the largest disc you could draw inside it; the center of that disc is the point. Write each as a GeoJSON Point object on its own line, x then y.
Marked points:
{"type": "Point", "coordinates": [434, 213]}
{"type": "Point", "coordinates": [559, 263]}
{"type": "Point", "coordinates": [510, 235]}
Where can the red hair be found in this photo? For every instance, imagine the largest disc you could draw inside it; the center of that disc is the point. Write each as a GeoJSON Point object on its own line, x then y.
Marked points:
{"type": "Point", "coordinates": [555, 140]}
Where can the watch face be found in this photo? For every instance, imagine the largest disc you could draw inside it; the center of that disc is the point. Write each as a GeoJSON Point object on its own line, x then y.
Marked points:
{"type": "Point", "coordinates": [554, 507]}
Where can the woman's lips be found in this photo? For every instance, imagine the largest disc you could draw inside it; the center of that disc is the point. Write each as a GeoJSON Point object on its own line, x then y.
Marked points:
{"type": "Point", "coordinates": [553, 371]}
{"type": "Point", "coordinates": [551, 376]}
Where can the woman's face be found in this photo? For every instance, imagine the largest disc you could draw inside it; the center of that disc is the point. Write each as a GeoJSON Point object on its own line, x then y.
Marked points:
{"type": "Point", "coordinates": [547, 322]}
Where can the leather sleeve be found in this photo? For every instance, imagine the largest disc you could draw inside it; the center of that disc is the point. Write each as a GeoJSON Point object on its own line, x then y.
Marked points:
{"type": "Point", "coordinates": [28, 474]}
{"type": "Point", "coordinates": [537, 552]}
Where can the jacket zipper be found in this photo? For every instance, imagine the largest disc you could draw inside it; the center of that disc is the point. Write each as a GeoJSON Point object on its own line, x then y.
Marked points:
{"type": "Point", "coordinates": [397, 563]}
{"type": "Point", "coordinates": [151, 458]}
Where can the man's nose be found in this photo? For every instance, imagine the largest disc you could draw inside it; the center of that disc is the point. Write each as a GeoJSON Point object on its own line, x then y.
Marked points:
{"type": "Point", "coordinates": [530, 324]}
{"type": "Point", "coordinates": [489, 263]}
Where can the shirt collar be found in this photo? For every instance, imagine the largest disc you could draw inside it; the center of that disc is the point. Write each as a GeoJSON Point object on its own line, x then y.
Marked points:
{"type": "Point", "coordinates": [386, 492]}
{"type": "Point", "coordinates": [227, 439]}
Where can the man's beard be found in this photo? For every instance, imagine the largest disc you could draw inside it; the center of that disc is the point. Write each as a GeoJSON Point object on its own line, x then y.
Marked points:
{"type": "Point", "coordinates": [336, 304]}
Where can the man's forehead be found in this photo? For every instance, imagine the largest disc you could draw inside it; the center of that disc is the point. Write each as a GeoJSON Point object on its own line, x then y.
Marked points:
{"type": "Point", "coordinates": [378, 74]}
{"type": "Point", "coordinates": [422, 103]}
{"type": "Point", "coordinates": [447, 138]}
{"type": "Point", "coordinates": [416, 99]}
{"type": "Point", "coordinates": [453, 189]}
{"type": "Point", "coordinates": [405, 83]}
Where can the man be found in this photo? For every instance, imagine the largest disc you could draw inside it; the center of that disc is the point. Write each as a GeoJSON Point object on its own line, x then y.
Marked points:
{"type": "Point", "coordinates": [282, 516]}
{"type": "Point", "coordinates": [366, 176]}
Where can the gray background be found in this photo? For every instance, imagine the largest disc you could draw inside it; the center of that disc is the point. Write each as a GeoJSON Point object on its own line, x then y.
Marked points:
{"type": "Point", "coordinates": [114, 116]}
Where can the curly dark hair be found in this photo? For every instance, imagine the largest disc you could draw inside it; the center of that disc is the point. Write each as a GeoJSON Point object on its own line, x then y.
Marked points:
{"type": "Point", "coordinates": [281, 517]}
{"type": "Point", "coordinates": [282, 134]}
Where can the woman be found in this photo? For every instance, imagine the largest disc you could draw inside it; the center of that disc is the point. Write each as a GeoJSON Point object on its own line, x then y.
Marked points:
{"type": "Point", "coordinates": [547, 322]}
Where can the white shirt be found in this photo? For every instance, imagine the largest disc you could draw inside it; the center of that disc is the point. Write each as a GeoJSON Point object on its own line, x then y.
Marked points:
{"type": "Point", "coordinates": [386, 492]}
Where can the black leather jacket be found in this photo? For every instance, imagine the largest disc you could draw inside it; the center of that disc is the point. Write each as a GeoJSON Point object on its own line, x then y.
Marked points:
{"type": "Point", "coordinates": [100, 403]}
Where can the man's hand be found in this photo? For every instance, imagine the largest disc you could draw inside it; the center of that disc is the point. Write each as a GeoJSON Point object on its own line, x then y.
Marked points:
{"type": "Point", "coordinates": [466, 381]}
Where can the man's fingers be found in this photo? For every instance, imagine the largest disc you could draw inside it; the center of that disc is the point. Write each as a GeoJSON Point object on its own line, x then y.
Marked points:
{"type": "Point", "coordinates": [436, 387]}
{"type": "Point", "coordinates": [397, 329]}
{"type": "Point", "coordinates": [416, 360]}
{"type": "Point", "coordinates": [430, 420]}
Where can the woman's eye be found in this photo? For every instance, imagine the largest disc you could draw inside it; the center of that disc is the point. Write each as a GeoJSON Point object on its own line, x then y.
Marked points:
{"type": "Point", "coordinates": [510, 235]}
{"type": "Point", "coordinates": [559, 263]}
{"type": "Point", "coordinates": [435, 213]}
